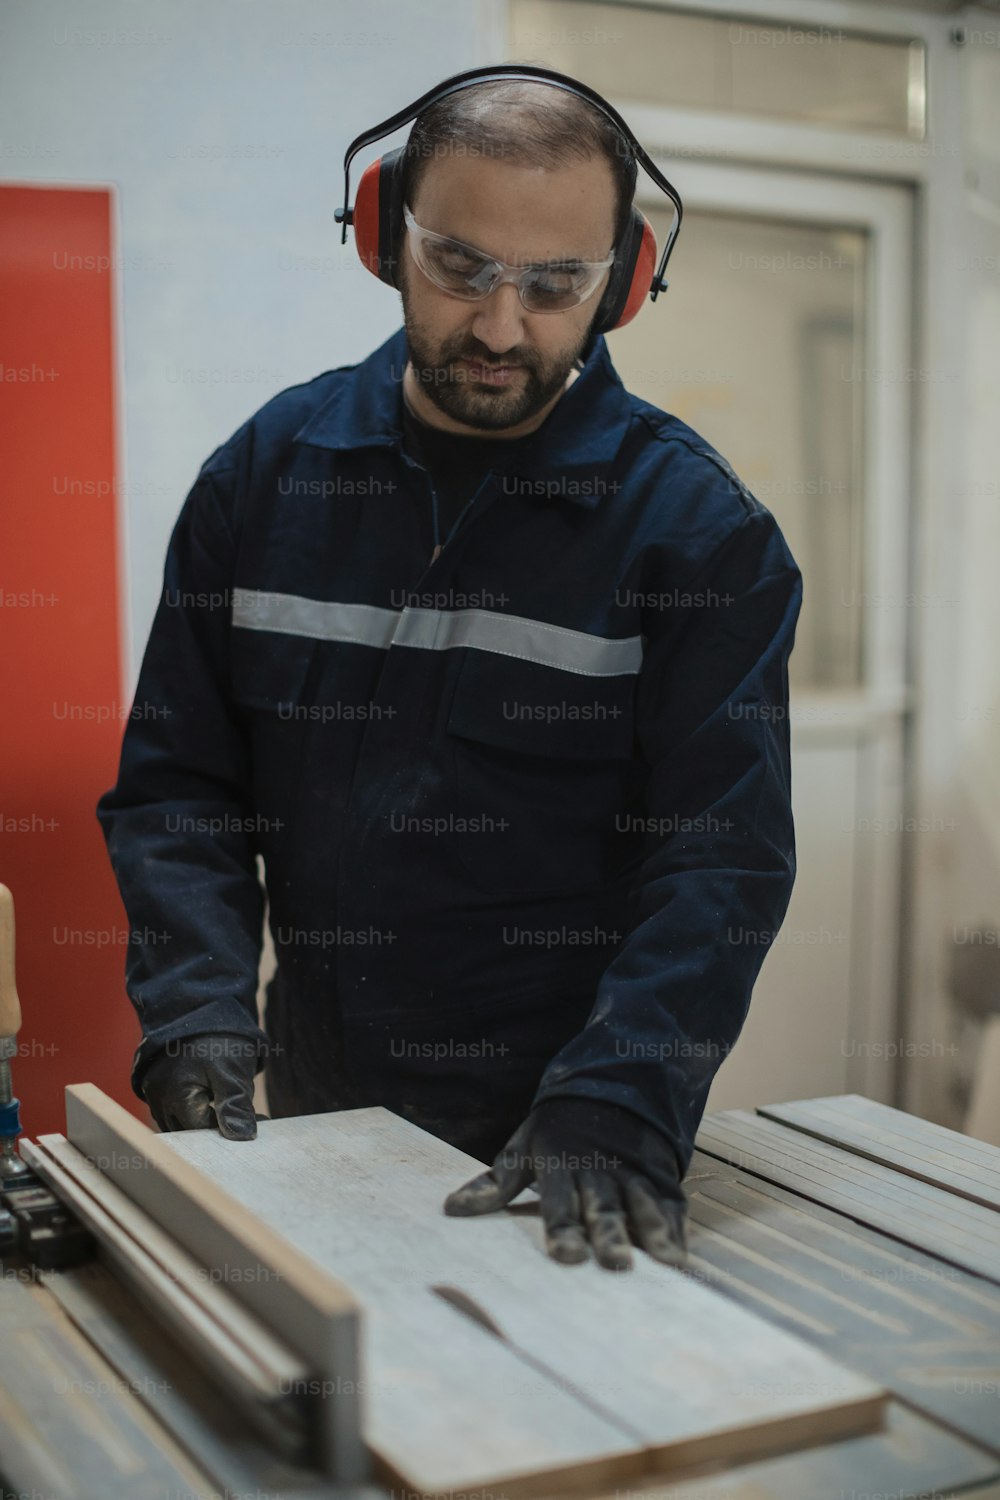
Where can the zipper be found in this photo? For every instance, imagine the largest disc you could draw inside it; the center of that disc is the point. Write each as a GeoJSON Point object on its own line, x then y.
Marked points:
{"type": "Point", "coordinates": [412, 463]}
{"type": "Point", "coordinates": [350, 831]}
{"type": "Point", "coordinates": [439, 545]}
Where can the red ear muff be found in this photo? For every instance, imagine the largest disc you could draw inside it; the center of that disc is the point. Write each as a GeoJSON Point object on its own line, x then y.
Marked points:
{"type": "Point", "coordinates": [367, 220]}
{"type": "Point", "coordinates": [642, 274]}
{"type": "Point", "coordinates": [378, 216]}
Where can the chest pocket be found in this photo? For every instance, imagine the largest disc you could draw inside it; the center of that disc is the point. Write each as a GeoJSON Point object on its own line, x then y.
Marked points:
{"type": "Point", "coordinates": [544, 774]}
{"type": "Point", "coordinates": [270, 678]}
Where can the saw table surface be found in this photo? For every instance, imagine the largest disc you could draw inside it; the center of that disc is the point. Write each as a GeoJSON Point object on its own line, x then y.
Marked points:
{"type": "Point", "coordinates": [828, 1336]}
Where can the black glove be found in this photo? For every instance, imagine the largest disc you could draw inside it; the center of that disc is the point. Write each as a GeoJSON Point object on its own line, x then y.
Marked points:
{"type": "Point", "coordinates": [601, 1171]}
{"type": "Point", "coordinates": [207, 1081]}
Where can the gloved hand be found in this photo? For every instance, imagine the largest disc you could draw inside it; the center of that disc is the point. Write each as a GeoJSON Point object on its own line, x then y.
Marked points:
{"type": "Point", "coordinates": [601, 1171]}
{"type": "Point", "coordinates": [207, 1081]}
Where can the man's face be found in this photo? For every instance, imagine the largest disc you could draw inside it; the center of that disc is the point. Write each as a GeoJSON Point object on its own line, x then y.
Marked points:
{"type": "Point", "coordinates": [522, 215]}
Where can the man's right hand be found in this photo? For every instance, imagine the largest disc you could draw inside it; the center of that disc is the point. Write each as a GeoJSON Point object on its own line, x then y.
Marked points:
{"type": "Point", "coordinates": [202, 1082]}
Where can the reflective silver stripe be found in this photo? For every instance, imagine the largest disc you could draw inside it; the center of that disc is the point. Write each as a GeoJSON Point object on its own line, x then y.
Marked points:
{"type": "Point", "coordinates": [513, 635]}
{"type": "Point", "coordinates": [440, 630]}
{"type": "Point", "coordinates": [290, 614]}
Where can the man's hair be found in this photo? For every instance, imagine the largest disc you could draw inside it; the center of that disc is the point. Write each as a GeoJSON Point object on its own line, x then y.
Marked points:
{"type": "Point", "coordinates": [527, 123]}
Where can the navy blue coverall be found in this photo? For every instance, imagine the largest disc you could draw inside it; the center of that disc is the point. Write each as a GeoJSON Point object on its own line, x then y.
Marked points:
{"type": "Point", "coordinates": [524, 810]}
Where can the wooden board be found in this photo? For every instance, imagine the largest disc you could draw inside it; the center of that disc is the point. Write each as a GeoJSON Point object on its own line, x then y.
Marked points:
{"type": "Point", "coordinates": [680, 1374]}
{"type": "Point", "coordinates": [958, 1163]}
{"type": "Point", "coordinates": [942, 1223]}
{"type": "Point", "coordinates": [300, 1302]}
{"type": "Point", "coordinates": [928, 1331]}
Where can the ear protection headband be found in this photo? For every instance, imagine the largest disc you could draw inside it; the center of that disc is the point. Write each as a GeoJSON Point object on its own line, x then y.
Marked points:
{"type": "Point", "coordinates": [377, 215]}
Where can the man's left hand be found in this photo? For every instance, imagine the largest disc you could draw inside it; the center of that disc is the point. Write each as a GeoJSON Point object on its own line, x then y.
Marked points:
{"type": "Point", "coordinates": [602, 1173]}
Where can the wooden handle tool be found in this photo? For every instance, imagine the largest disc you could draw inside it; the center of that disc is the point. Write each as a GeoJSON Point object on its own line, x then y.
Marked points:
{"type": "Point", "coordinates": [10, 1024]}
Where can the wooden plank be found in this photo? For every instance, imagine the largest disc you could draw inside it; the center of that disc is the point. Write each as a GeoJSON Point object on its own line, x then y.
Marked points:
{"type": "Point", "coordinates": [453, 1410]}
{"type": "Point", "coordinates": [942, 1223]}
{"type": "Point", "coordinates": [928, 1331]}
{"type": "Point", "coordinates": [946, 1158]}
{"type": "Point", "coordinates": [688, 1375]}
{"type": "Point", "coordinates": [911, 1457]}
{"type": "Point", "coordinates": [302, 1304]}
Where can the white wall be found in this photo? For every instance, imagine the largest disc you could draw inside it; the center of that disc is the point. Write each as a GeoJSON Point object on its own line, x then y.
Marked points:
{"type": "Point", "coordinates": [222, 125]}
{"type": "Point", "coordinates": [977, 261]}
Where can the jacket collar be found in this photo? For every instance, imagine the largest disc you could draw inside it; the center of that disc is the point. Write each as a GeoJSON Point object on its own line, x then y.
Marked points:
{"type": "Point", "coordinates": [583, 432]}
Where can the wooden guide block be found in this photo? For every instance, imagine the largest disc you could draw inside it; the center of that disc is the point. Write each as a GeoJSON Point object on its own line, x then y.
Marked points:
{"type": "Point", "coordinates": [300, 1302]}
{"type": "Point", "coordinates": [260, 1375]}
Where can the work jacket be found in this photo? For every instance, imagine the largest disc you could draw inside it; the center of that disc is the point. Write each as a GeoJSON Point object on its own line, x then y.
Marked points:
{"type": "Point", "coordinates": [523, 809]}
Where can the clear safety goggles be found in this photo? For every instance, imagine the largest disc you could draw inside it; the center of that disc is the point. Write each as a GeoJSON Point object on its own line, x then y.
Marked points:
{"type": "Point", "coordinates": [465, 272]}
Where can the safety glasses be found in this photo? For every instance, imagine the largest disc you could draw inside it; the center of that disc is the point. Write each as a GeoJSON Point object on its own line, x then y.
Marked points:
{"type": "Point", "coordinates": [462, 271]}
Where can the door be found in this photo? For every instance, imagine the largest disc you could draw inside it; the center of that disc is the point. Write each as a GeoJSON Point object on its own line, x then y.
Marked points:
{"type": "Point", "coordinates": [784, 340]}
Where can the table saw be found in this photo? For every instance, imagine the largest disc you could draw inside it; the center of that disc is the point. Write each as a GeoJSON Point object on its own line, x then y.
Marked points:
{"type": "Point", "coordinates": [296, 1317]}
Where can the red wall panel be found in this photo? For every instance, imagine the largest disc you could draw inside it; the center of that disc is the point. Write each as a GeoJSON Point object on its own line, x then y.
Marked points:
{"type": "Point", "coordinates": [62, 695]}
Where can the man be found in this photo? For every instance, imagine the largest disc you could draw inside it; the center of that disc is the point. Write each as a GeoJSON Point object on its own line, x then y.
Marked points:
{"type": "Point", "coordinates": [487, 659]}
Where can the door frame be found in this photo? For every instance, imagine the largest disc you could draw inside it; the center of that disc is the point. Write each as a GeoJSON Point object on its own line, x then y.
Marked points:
{"type": "Point", "coordinates": [874, 720]}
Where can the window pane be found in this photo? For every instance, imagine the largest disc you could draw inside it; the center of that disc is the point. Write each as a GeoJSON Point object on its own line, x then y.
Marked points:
{"type": "Point", "coordinates": [822, 75]}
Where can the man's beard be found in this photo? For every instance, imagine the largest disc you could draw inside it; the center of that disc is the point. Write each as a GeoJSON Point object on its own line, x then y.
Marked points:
{"type": "Point", "coordinates": [450, 386]}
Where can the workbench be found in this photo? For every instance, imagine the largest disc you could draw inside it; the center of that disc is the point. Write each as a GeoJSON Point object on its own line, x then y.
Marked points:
{"type": "Point", "coordinates": [847, 1254]}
